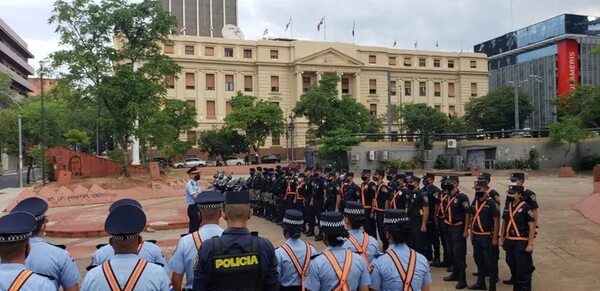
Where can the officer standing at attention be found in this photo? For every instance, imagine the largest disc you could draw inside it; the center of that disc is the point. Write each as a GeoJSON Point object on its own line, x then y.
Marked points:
{"type": "Point", "coordinates": [417, 208]}
{"type": "Point", "coordinates": [457, 222]}
{"type": "Point", "coordinates": [238, 259]}
{"type": "Point", "coordinates": [293, 257]}
{"type": "Point", "coordinates": [192, 189]}
{"type": "Point", "coordinates": [359, 241]}
{"type": "Point", "coordinates": [400, 267]}
{"type": "Point", "coordinates": [367, 193]}
{"type": "Point", "coordinates": [332, 189]}
{"type": "Point", "coordinates": [46, 259]}
{"type": "Point", "coordinates": [318, 202]}
{"type": "Point", "coordinates": [485, 225]}
{"type": "Point", "coordinates": [398, 200]}
{"type": "Point", "coordinates": [381, 202]}
{"type": "Point", "coordinates": [351, 191]}
{"type": "Point", "coordinates": [393, 182]}
{"type": "Point", "coordinates": [210, 204]}
{"type": "Point", "coordinates": [516, 237]}
{"type": "Point", "coordinates": [126, 271]}
{"type": "Point", "coordinates": [15, 230]}
{"type": "Point", "coordinates": [146, 250]}
{"type": "Point", "coordinates": [290, 191]}
{"type": "Point", "coordinates": [440, 217]}
{"type": "Point", "coordinates": [337, 268]}
{"type": "Point", "coordinates": [490, 192]}
{"type": "Point", "coordinates": [527, 195]}
{"type": "Point", "coordinates": [433, 233]}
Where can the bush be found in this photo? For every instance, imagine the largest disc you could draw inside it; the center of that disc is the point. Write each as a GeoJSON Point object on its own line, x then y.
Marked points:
{"type": "Point", "coordinates": [587, 163]}
{"type": "Point", "coordinates": [400, 164]}
{"type": "Point", "coordinates": [531, 163]}
{"type": "Point", "coordinates": [441, 162]}
{"type": "Point", "coordinates": [117, 156]}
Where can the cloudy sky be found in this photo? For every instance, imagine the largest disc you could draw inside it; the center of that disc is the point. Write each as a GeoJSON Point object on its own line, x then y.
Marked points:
{"type": "Point", "coordinates": [454, 24]}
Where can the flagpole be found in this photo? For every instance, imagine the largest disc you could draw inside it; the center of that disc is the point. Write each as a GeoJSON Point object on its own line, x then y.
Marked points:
{"type": "Point", "coordinates": [324, 28]}
{"type": "Point", "coordinates": [291, 28]}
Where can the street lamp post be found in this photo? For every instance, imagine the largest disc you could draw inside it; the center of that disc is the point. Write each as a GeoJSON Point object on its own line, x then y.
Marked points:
{"type": "Point", "coordinates": [43, 123]}
{"type": "Point", "coordinates": [291, 130]}
{"type": "Point", "coordinates": [516, 85]}
{"type": "Point", "coordinates": [20, 154]}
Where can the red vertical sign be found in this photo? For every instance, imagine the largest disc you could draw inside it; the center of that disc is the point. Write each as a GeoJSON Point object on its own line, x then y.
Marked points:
{"type": "Point", "coordinates": [568, 66]}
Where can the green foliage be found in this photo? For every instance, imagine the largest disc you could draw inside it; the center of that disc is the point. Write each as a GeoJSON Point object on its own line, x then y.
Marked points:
{"type": "Point", "coordinates": [456, 124]}
{"type": "Point", "coordinates": [400, 164]}
{"type": "Point", "coordinates": [163, 127]}
{"type": "Point", "coordinates": [568, 130]}
{"type": "Point", "coordinates": [337, 141]}
{"type": "Point", "coordinates": [422, 119]}
{"type": "Point", "coordinates": [328, 112]}
{"type": "Point", "coordinates": [116, 156]}
{"type": "Point", "coordinates": [496, 111]}
{"type": "Point", "coordinates": [222, 142]}
{"type": "Point", "coordinates": [441, 162]}
{"type": "Point", "coordinates": [533, 160]}
{"type": "Point", "coordinates": [587, 163]}
{"type": "Point", "coordinates": [5, 91]}
{"type": "Point", "coordinates": [9, 135]}
{"type": "Point", "coordinates": [531, 163]}
{"type": "Point", "coordinates": [583, 102]}
{"type": "Point", "coordinates": [76, 137]}
{"type": "Point", "coordinates": [257, 119]}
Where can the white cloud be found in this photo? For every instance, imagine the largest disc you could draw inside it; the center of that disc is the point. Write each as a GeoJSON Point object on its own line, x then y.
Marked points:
{"type": "Point", "coordinates": [41, 48]}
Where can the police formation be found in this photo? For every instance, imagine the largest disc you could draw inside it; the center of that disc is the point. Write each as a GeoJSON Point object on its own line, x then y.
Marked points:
{"type": "Point", "coordinates": [418, 227]}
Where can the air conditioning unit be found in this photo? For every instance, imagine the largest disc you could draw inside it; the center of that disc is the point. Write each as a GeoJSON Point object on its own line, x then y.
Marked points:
{"type": "Point", "coordinates": [385, 156]}
{"type": "Point", "coordinates": [354, 158]}
{"type": "Point", "coordinates": [371, 155]}
{"type": "Point", "coordinates": [451, 143]}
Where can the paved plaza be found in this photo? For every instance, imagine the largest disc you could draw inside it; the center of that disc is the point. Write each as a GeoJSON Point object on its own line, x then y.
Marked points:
{"type": "Point", "coordinates": [566, 251]}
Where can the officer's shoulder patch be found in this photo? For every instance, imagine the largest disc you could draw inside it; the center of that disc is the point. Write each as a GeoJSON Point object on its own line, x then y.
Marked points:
{"type": "Point", "coordinates": [425, 199]}
{"type": "Point", "coordinates": [530, 212]}
{"type": "Point", "coordinates": [314, 256]}
{"type": "Point", "coordinates": [466, 204]}
{"type": "Point", "coordinates": [532, 196]}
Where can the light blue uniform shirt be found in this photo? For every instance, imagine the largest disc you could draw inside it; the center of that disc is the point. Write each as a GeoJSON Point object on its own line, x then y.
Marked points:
{"type": "Point", "coordinates": [149, 252]}
{"type": "Point", "coordinates": [53, 262]}
{"type": "Point", "coordinates": [321, 275]}
{"type": "Point", "coordinates": [372, 247]}
{"type": "Point", "coordinates": [9, 272]}
{"type": "Point", "coordinates": [385, 276]}
{"type": "Point", "coordinates": [191, 188]}
{"type": "Point", "coordinates": [288, 275]}
{"type": "Point", "coordinates": [184, 257]}
{"type": "Point", "coordinates": [153, 278]}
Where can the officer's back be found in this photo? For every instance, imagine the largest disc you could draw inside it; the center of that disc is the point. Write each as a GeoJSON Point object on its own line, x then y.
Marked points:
{"type": "Point", "coordinates": [238, 260]}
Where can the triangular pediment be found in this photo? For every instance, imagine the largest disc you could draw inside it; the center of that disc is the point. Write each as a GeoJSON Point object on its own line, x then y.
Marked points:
{"type": "Point", "coordinates": [329, 56]}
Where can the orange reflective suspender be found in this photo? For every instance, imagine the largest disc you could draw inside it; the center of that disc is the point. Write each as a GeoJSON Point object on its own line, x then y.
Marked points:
{"type": "Point", "coordinates": [363, 188]}
{"type": "Point", "coordinates": [513, 224]}
{"type": "Point", "coordinates": [341, 274]}
{"type": "Point", "coordinates": [441, 210]}
{"type": "Point", "coordinates": [394, 205]}
{"type": "Point", "coordinates": [405, 276]}
{"type": "Point", "coordinates": [361, 249]}
{"type": "Point", "coordinates": [298, 195]}
{"type": "Point", "coordinates": [376, 204]}
{"type": "Point", "coordinates": [134, 277]}
{"type": "Point", "coordinates": [289, 190]}
{"type": "Point", "coordinates": [302, 270]}
{"type": "Point", "coordinates": [20, 280]}
{"type": "Point", "coordinates": [197, 239]}
{"type": "Point", "coordinates": [448, 211]}
{"type": "Point", "coordinates": [477, 219]}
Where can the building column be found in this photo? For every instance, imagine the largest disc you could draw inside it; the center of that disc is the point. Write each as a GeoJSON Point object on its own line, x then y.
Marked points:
{"type": "Point", "coordinates": [356, 89]}
{"type": "Point", "coordinates": [298, 88]}
{"type": "Point", "coordinates": [319, 76]}
{"type": "Point", "coordinates": [339, 85]}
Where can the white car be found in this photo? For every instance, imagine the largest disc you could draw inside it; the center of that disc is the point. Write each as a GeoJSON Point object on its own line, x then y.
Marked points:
{"type": "Point", "coordinates": [231, 161]}
{"type": "Point", "coordinates": [189, 163]}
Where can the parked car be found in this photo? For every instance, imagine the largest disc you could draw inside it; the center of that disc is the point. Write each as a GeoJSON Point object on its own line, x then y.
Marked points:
{"type": "Point", "coordinates": [270, 159]}
{"type": "Point", "coordinates": [231, 161]}
{"type": "Point", "coordinates": [190, 162]}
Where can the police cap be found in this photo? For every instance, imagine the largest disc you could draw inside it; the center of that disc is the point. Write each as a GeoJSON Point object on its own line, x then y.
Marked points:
{"type": "Point", "coordinates": [395, 217]}
{"type": "Point", "coordinates": [452, 179]}
{"type": "Point", "coordinates": [512, 189]}
{"type": "Point", "coordinates": [16, 226]}
{"type": "Point", "coordinates": [409, 173]}
{"type": "Point", "coordinates": [332, 222]}
{"type": "Point", "coordinates": [478, 184]}
{"type": "Point", "coordinates": [34, 206]}
{"type": "Point", "coordinates": [429, 175]}
{"type": "Point", "coordinates": [366, 172]}
{"type": "Point", "coordinates": [124, 201]}
{"type": "Point", "coordinates": [392, 171]}
{"type": "Point", "coordinates": [354, 208]}
{"type": "Point", "coordinates": [293, 217]}
{"type": "Point", "coordinates": [379, 172]}
{"type": "Point", "coordinates": [350, 174]}
{"type": "Point", "coordinates": [517, 176]}
{"type": "Point", "coordinates": [252, 170]}
{"type": "Point", "coordinates": [237, 197]}
{"type": "Point", "coordinates": [210, 199]}
{"type": "Point", "coordinates": [125, 222]}
{"type": "Point", "coordinates": [191, 170]}
{"type": "Point", "coordinates": [485, 176]}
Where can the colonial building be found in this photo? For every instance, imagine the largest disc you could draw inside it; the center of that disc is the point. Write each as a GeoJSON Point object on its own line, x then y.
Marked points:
{"type": "Point", "coordinates": [281, 70]}
{"type": "Point", "coordinates": [14, 55]}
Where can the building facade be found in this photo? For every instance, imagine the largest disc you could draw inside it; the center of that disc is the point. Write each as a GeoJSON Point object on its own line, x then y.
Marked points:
{"type": "Point", "coordinates": [280, 71]}
{"type": "Point", "coordinates": [546, 59]}
{"type": "Point", "coordinates": [13, 60]}
{"type": "Point", "coordinates": [202, 17]}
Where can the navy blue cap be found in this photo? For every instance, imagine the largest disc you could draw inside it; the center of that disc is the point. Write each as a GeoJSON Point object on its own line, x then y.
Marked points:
{"type": "Point", "coordinates": [379, 172]}
{"type": "Point", "coordinates": [125, 222]}
{"type": "Point", "coordinates": [517, 176]}
{"type": "Point", "coordinates": [350, 174]}
{"type": "Point", "coordinates": [480, 184]}
{"type": "Point", "coordinates": [210, 199]}
{"type": "Point", "coordinates": [293, 217]}
{"type": "Point", "coordinates": [366, 172]}
{"type": "Point", "coordinates": [16, 226]}
{"type": "Point", "coordinates": [124, 201]}
{"type": "Point", "coordinates": [452, 178]}
{"type": "Point", "coordinates": [392, 171]}
{"type": "Point", "coordinates": [514, 189]}
{"type": "Point", "coordinates": [191, 170]}
{"type": "Point", "coordinates": [428, 175]}
{"type": "Point", "coordinates": [354, 208]}
{"type": "Point", "coordinates": [392, 217]}
{"type": "Point", "coordinates": [409, 174]}
{"type": "Point", "coordinates": [485, 176]}
{"type": "Point", "coordinates": [237, 197]}
{"type": "Point", "coordinates": [34, 206]}
{"type": "Point", "coordinates": [331, 221]}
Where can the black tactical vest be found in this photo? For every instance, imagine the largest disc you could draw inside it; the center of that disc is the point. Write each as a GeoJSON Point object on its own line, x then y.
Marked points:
{"type": "Point", "coordinates": [236, 268]}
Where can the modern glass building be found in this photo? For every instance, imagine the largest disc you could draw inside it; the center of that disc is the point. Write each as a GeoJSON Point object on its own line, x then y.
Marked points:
{"type": "Point", "coordinates": [202, 17]}
{"type": "Point", "coordinates": [546, 59]}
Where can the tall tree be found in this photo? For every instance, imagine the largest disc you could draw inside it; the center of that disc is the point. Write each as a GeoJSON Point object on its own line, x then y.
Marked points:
{"type": "Point", "coordinates": [424, 120]}
{"type": "Point", "coordinates": [496, 110]}
{"type": "Point", "coordinates": [568, 130]}
{"type": "Point", "coordinates": [256, 118]}
{"type": "Point", "coordinates": [583, 102]}
{"type": "Point", "coordinates": [5, 91]}
{"type": "Point", "coordinates": [113, 56]}
{"type": "Point", "coordinates": [222, 142]}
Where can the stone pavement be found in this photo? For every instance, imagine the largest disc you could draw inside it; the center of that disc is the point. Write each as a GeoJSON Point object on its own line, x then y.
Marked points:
{"type": "Point", "coordinates": [566, 251]}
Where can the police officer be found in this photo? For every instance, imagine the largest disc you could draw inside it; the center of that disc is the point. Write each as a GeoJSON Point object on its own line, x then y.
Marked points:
{"type": "Point", "coordinates": [279, 192]}
{"type": "Point", "coordinates": [293, 257]}
{"type": "Point", "coordinates": [301, 192]}
{"type": "Point", "coordinates": [367, 193]}
{"type": "Point", "coordinates": [528, 196]}
{"type": "Point", "coordinates": [290, 190]}
{"type": "Point", "coordinates": [192, 189]}
{"type": "Point", "coordinates": [358, 241]}
{"type": "Point", "coordinates": [238, 259]}
{"type": "Point", "coordinates": [398, 199]}
{"type": "Point", "coordinates": [332, 191]}
{"type": "Point", "coordinates": [317, 202]}
{"type": "Point", "coordinates": [250, 183]}
{"type": "Point", "coordinates": [15, 230]}
{"type": "Point", "coordinates": [337, 268]}
{"type": "Point", "coordinates": [417, 208]}
{"type": "Point", "coordinates": [440, 217]}
{"type": "Point", "coordinates": [487, 177]}
{"type": "Point", "coordinates": [210, 204]}
{"type": "Point", "coordinates": [433, 236]}
{"type": "Point", "coordinates": [126, 271]}
{"type": "Point", "coordinates": [400, 267]}
{"type": "Point", "coordinates": [147, 250]}
{"type": "Point", "coordinates": [392, 177]}
{"type": "Point", "coordinates": [257, 186]}
{"type": "Point", "coordinates": [484, 227]}
{"type": "Point", "coordinates": [516, 237]}
{"type": "Point", "coordinates": [457, 221]}
{"type": "Point", "coordinates": [351, 190]}
{"type": "Point", "coordinates": [381, 202]}
{"type": "Point", "coordinates": [46, 259]}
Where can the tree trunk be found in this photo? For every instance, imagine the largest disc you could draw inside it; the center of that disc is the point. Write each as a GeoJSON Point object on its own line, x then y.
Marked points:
{"type": "Point", "coordinates": [125, 152]}
{"type": "Point", "coordinates": [566, 153]}
{"type": "Point", "coordinates": [29, 168]}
